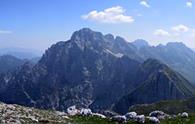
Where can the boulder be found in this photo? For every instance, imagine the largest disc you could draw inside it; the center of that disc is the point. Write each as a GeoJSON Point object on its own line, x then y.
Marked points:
{"type": "Point", "coordinates": [140, 119]}
{"type": "Point", "coordinates": [85, 112]}
{"type": "Point", "coordinates": [184, 115]}
{"type": "Point", "coordinates": [172, 116]}
{"type": "Point", "coordinates": [159, 114]}
{"type": "Point", "coordinates": [154, 120]}
{"type": "Point", "coordinates": [73, 111]}
{"type": "Point", "coordinates": [131, 115]}
{"type": "Point", "coordinates": [119, 118]}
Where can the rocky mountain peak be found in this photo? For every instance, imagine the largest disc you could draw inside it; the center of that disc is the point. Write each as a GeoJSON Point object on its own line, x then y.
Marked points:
{"type": "Point", "coordinates": [118, 38]}
{"type": "Point", "coordinates": [155, 66]}
{"type": "Point", "coordinates": [175, 44]}
{"type": "Point", "coordinates": [172, 44]}
{"type": "Point", "coordinates": [85, 35]}
{"type": "Point", "coordinates": [109, 37]}
{"type": "Point", "coordinates": [153, 62]}
{"type": "Point", "coordinates": [140, 43]}
{"type": "Point", "coordinates": [87, 38]}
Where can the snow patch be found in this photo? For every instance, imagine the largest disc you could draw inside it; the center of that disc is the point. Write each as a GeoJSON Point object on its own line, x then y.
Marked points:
{"type": "Point", "coordinates": [118, 55]}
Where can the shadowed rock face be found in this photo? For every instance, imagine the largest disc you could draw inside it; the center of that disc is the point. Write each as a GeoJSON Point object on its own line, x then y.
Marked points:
{"type": "Point", "coordinates": [91, 70]}
{"type": "Point", "coordinates": [79, 71]}
{"type": "Point", "coordinates": [176, 55]}
{"type": "Point", "coordinates": [161, 83]}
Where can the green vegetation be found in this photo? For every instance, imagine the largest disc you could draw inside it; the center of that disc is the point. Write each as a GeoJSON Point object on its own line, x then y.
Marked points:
{"type": "Point", "coordinates": [178, 120]}
{"type": "Point", "coordinates": [90, 120]}
{"type": "Point", "coordinates": [94, 120]}
{"type": "Point", "coordinates": [170, 107]}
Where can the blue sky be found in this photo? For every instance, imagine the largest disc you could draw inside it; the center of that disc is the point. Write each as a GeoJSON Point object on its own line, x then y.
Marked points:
{"type": "Point", "coordinates": [39, 23]}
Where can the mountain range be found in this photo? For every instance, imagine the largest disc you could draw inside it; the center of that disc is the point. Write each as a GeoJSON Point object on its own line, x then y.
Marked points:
{"type": "Point", "coordinates": [162, 84]}
{"type": "Point", "coordinates": [101, 72]}
{"type": "Point", "coordinates": [20, 53]}
{"type": "Point", "coordinates": [9, 63]}
{"type": "Point", "coordinates": [175, 54]}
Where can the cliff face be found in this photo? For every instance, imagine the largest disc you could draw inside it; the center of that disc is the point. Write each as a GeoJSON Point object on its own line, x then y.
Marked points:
{"type": "Point", "coordinates": [92, 70]}
{"type": "Point", "coordinates": [161, 83]}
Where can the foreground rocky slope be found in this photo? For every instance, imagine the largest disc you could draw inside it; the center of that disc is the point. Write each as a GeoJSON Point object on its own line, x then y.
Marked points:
{"type": "Point", "coordinates": [86, 71]}
{"type": "Point", "coordinates": [15, 114]}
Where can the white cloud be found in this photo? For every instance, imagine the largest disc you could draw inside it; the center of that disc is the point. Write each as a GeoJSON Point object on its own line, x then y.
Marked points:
{"type": "Point", "coordinates": [189, 4]}
{"type": "Point", "coordinates": [161, 32]}
{"type": "Point", "coordinates": [111, 15]}
{"type": "Point", "coordinates": [180, 28]}
{"type": "Point", "coordinates": [145, 4]}
{"type": "Point", "coordinates": [5, 32]}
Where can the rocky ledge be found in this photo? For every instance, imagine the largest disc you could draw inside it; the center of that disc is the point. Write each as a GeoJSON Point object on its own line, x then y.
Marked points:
{"type": "Point", "coordinates": [15, 114]}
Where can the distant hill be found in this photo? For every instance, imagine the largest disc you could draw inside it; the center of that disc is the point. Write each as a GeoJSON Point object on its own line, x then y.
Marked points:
{"type": "Point", "coordinates": [21, 53]}
{"type": "Point", "coordinates": [9, 63]}
{"type": "Point", "coordinates": [35, 60]}
{"type": "Point", "coordinates": [139, 43]}
{"type": "Point", "coordinates": [176, 55]}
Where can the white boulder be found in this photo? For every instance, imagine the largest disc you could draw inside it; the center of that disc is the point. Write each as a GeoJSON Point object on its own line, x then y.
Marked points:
{"type": "Point", "coordinates": [72, 111]}
{"type": "Point", "coordinates": [85, 111]}
{"type": "Point", "coordinates": [140, 119]}
{"type": "Point", "coordinates": [158, 114]}
{"type": "Point", "coordinates": [154, 120]}
{"type": "Point", "coordinates": [184, 115]}
{"type": "Point", "coordinates": [131, 115]}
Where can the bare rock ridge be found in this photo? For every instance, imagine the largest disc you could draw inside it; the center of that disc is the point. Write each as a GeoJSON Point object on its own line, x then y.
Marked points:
{"type": "Point", "coordinates": [96, 71]}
